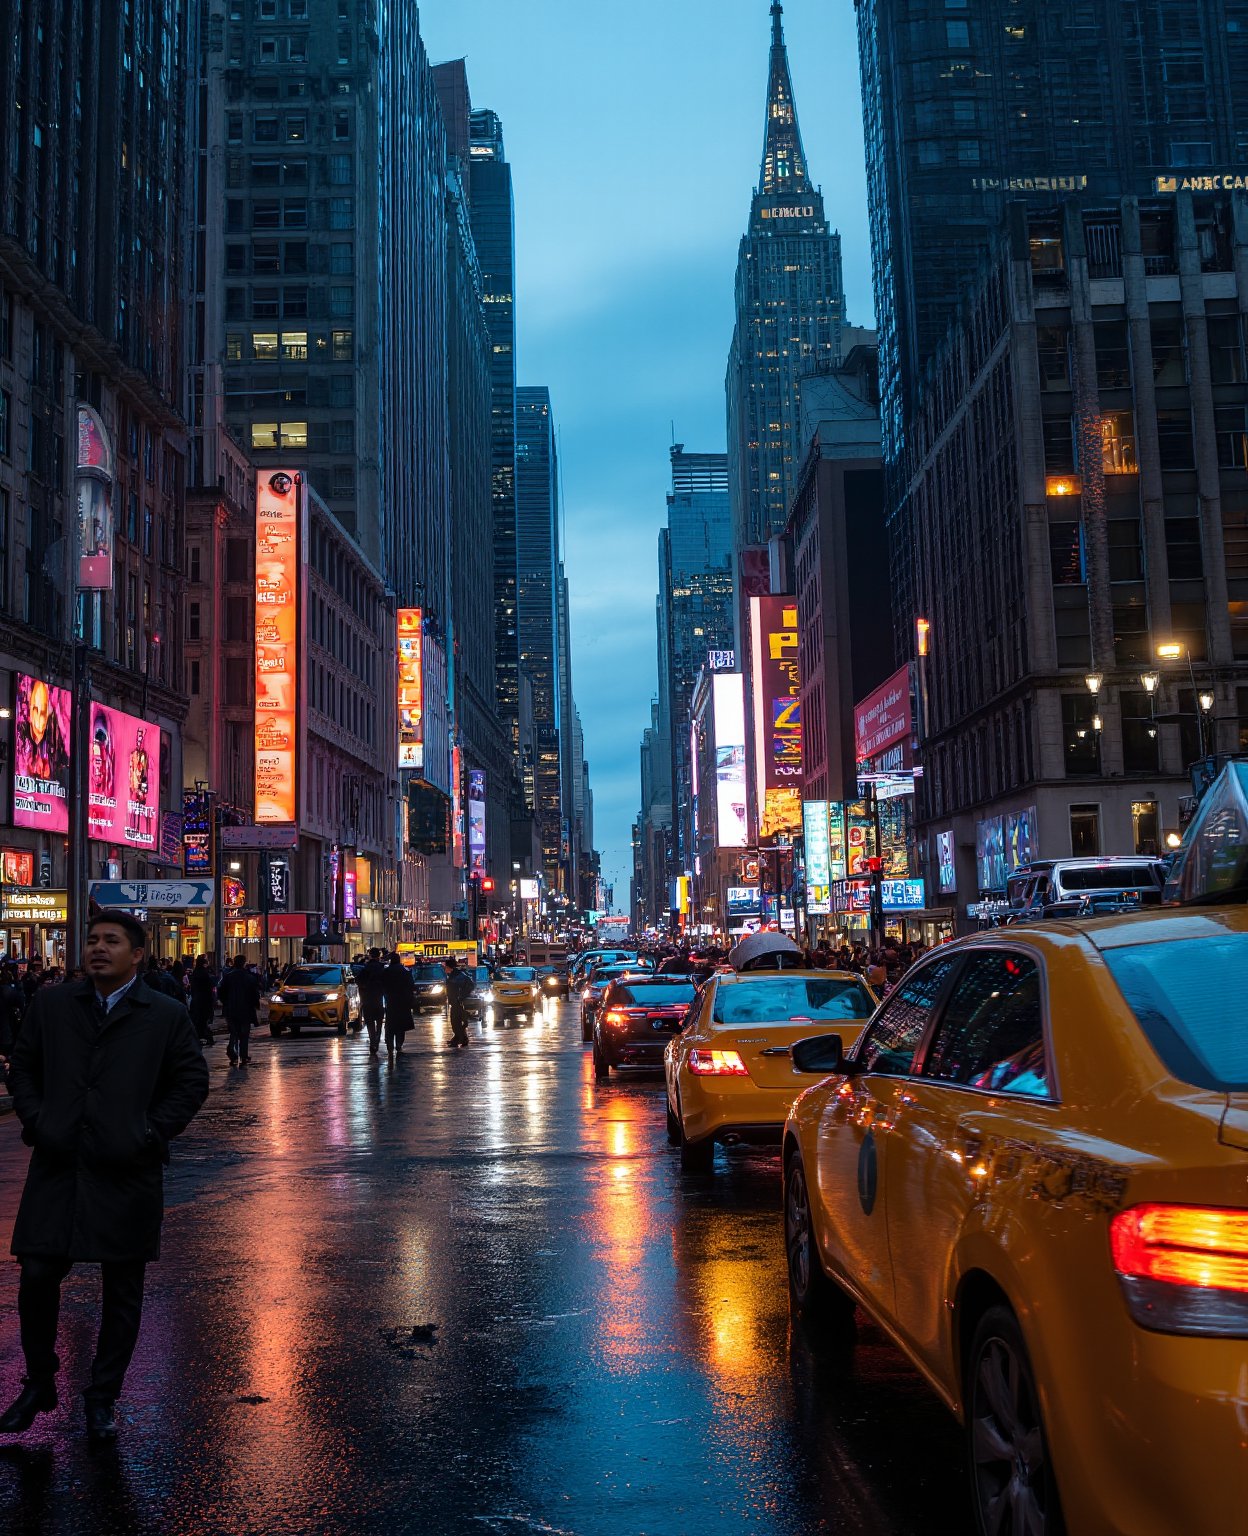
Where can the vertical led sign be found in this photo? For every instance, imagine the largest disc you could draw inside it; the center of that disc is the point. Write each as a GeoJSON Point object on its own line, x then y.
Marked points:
{"type": "Point", "coordinates": [729, 697]}
{"type": "Point", "coordinates": [777, 715]}
{"type": "Point", "coordinates": [278, 512]}
{"type": "Point", "coordinates": [411, 696]}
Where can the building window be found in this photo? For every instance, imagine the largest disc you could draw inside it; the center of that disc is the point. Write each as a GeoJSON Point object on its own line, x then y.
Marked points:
{"type": "Point", "coordinates": [1113, 354]}
{"type": "Point", "coordinates": [192, 679]}
{"type": "Point", "coordinates": [264, 303]}
{"type": "Point", "coordinates": [341, 257]}
{"type": "Point", "coordinates": [1226, 349]}
{"type": "Point", "coordinates": [295, 346]}
{"type": "Point", "coordinates": [1067, 554]}
{"type": "Point", "coordinates": [1131, 635]}
{"type": "Point", "coordinates": [264, 434]}
{"type": "Point", "coordinates": [237, 680]}
{"type": "Point", "coordinates": [234, 128]}
{"type": "Point", "coordinates": [341, 213]}
{"type": "Point", "coordinates": [238, 560]}
{"type": "Point", "coordinates": [295, 213]}
{"type": "Point", "coordinates": [6, 416]}
{"type": "Point", "coordinates": [296, 129]}
{"type": "Point", "coordinates": [193, 621]}
{"type": "Point", "coordinates": [236, 260]}
{"type": "Point", "coordinates": [343, 346]}
{"type": "Point", "coordinates": [1118, 443]}
{"type": "Point", "coordinates": [1183, 550]}
{"type": "Point", "coordinates": [234, 347]}
{"type": "Point", "coordinates": [1229, 424]}
{"type": "Point", "coordinates": [265, 213]}
{"type": "Point", "coordinates": [295, 304]}
{"type": "Point", "coordinates": [1081, 736]}
{"type": "Point", "coordinates": [1059, 445]}
{"type": "Point", "coordinates": [340, 170]}
{"type": "Point", "coordinates": [344, 481]}
{"type": "Point", "coordinates": [192, 562]}
{"type": "Point", "coordinates": [344, 47]}
{"type": "Point", "coordinates": [1070, 616]}
{"type": "Point", "coordinates": [342, 124]}
{"type": "Point", "coordinates": [1174, 439]}
{"type": "Point", "coordinates": [265, 257]}
{"type": "Point", "coordinates": [1053, 346]}
{"type": "Point", "coordinates": [1145, 824]}
{"type": "Point", "coordinates": [341, 303]}
{"type": "Point", "coordinates": [343, 436]}
{"type": "Point", "coordinates": [295, 257]}
{"type": "Point", "coordinates": [264, 346]}
{"type": "Point", "coordinates": [1126, 552]}
{"type": "Point", "coordinates": [341, 390]}
{"type": "Point", "coordinates": [1085, 831]}
{"type": "Point", "coordinates": [1139, 732]}
{"type": "Point", "coordinates": [266, 130]}
{"type": "Point", "coordinates": [294, 434]}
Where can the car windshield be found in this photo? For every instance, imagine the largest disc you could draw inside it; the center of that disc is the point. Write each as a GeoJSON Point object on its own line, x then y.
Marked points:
{"type": "Point", "coordinates": [518, 973]}
{"type": "Point", "coordinates": [1107, 877]}
{"type": "Point", "coordinates": [428, 973]}
{"type": "Point", "coordinates": [313, 975]}
{"type": "Point", "coordinates": [655, 994]}
{"type": "Point", "coordinates": [786, 997]}
{"type": "Point", "coordinates": [481, 973]}
{"type": "Point", "coordinates": [1190, 999]}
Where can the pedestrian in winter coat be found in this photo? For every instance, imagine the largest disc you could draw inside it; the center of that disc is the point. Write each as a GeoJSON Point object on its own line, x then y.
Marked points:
{"type": "Point", "coordinates": [400, 1004]}
{"type": "Point", "coordinates": [203, 1001]}
{"type": "Point", "coordinates": [160, 981]}
{"type": "Point", "coordinates": [105, 1074]}
{"type": "Point", "coordinates": [239, 995]}
{"type": "Point", "coordinates": [372, 984]}
{"type": "Point", "coordinates": [459, 988]}
{"type": "Point", "coordinates": [11, 1005]}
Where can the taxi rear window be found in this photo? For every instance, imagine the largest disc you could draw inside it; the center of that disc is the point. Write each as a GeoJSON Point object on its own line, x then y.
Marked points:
{"type": "Point", "coordinates": [778, 998]}
{"type": "Point", "coordinates": [1190, 999]}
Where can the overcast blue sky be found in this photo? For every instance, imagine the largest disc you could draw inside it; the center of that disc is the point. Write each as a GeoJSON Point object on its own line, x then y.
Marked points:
{"type": "Point", "coordinates": [634, 129]}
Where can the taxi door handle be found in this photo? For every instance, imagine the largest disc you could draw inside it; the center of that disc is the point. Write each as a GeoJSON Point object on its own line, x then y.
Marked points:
{"type": "Point", "coordinates": [776, 1050]}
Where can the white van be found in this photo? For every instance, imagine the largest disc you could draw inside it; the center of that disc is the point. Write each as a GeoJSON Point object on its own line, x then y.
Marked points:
{"type": "Point", "coordinates": [1055, 887]}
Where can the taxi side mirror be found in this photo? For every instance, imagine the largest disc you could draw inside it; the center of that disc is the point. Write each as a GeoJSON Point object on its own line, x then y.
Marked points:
{"type": "Point", "coordinates": [823, 1054]}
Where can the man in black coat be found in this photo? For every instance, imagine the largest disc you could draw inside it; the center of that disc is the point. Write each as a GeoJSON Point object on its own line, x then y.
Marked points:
{"type": "Point", "coordinates": [372, 984]}
{"type": "Point", "coordinates": [239, 995]}
{"type": "Point", "coordinates": [105, 1074]}
{"type": "Point", "coordinates": [400, 1004]}
{"type": "Point", "coordinates": [459, 988]}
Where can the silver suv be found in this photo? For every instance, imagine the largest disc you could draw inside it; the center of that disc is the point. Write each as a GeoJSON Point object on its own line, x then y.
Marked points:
{"type": "Point", "coordinates": [1057, 887]}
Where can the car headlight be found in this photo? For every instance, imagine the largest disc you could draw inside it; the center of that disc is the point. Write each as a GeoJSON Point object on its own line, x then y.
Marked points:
{"type": "Point", "coordinates": [331, 997]}
{"type": "Point", "coordinates": [437, 991]}
{"type": "Point", "coordinates": [276, 998]}
{"type": "Point", "coordinates": [487, 997]}
{"type": "Point", "coordinates": [587, 994]}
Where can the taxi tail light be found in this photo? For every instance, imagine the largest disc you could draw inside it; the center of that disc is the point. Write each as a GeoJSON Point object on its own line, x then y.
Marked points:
{"type": "Point", "coordinates": [717, 1064]}
{"type": "Point", "coordinates": [1183, 1268]}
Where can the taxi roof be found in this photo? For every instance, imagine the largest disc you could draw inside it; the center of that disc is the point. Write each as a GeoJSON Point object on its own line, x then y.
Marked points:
{"type": "Point", "coordinates": [1152, 925]}
{"type": "Point", "coordinates": [809, 973]}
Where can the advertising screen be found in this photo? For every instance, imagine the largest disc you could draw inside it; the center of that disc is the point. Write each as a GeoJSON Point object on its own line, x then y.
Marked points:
{"type": "Point", "coordinates": [945, 863]}
{"type": "Point", "coordinates": [777, 715]}
{"type": "Point", "coordinates": [123, 780]}
{"type": "Point", "coordinates": [990, 853]}
{"type": "Point", "coordinates": [411, 698]}
{"type": "Point", "coordinates": [818, 857]}
{"type": "Point", "coordinates": [476, 821]}
{"type": "Point", "coordinates": [17, 867]}
{"type": "Point", "coordinates": [743, 900]}
{"type": "Point", "coordinates": [732, 830]}
{"type": "Point", "coordinates": [41, 738]}
{"type": "Point", "coordinates": [902, 895]}
{"type": "Point", "coordinates": [1020, 837]}
{"type": "Point", "coordinates": [94, 482]}
{"type": "Point", "coordinates": [884, 718]}
{"type": "Point", "coordinates": [277, 645]}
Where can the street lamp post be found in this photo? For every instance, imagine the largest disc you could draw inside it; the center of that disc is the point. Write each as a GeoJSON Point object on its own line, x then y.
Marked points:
{"type": "Point", "coordinates": [1172, 650]}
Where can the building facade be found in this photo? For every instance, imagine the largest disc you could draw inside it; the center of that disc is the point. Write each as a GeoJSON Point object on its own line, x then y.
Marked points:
{"type": "Point", "coordinates": [92, 209]}
{"type": "Point", "coordinates": [1079, 484]}
{"type": "Point", "coordinates": [790, 306]}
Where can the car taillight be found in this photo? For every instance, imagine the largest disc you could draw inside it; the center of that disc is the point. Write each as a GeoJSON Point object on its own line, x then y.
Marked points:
{"type": "Point", "coordinates": [1183, 1268]}
{"type": "Point", "coordinates": [716, 1064]}
{"type": "Point", "coordinates": [616, 1017]}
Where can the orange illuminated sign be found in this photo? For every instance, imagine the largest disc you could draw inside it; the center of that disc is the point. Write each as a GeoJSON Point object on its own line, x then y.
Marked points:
{"type": "Point", "coordinates": [411, 697]}
{"type": "Point", "coordinates": [277, 644]}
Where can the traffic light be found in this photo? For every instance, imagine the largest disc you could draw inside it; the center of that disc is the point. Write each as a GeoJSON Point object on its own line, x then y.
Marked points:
{"type": "Point", "coordinates": [875, 866]}
{"type": "Point", "coordinates": [487, 884]}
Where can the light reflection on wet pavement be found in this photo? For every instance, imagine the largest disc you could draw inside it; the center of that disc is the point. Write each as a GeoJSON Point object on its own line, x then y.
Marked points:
{"type": "Point", "coordinates": [469, 1294]}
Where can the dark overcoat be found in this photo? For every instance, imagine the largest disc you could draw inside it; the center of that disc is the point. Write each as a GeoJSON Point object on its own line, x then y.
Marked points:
{"type": "Point", "coordinates": [99, 1102]}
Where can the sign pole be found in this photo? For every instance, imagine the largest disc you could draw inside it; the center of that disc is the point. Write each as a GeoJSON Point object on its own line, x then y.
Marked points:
{"type": "Point", "coordinates": [218, 870]}
{"type": "Point", "coordinates": [79, 781]}
{"type": "Point", "coordinates": [266, 874]}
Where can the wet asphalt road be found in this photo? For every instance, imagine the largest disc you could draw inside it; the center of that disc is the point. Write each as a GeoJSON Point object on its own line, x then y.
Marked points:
{"type": "Point", "coordinates": [601, 1346]}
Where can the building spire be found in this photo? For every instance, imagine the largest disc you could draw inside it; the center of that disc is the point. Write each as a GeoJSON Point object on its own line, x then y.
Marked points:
{"type": "Point", "coordinates": [784, 159]}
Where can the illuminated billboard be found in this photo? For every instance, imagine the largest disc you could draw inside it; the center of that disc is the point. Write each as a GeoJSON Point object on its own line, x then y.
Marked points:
{"type": "Point", "coordinates": [732, 830]}
{"type": "Point", "coordinates": [123, 779]}
{"type": "Point", "coordinates": [476, 821]}
{"type": "Point", "coordinates": [41, 738]}
{"type": "Point", "coordinates": [94, 486]}
{"type": "Point", "coordinates": [277, 645]}
{"type": "Point", "coordinates": [818, 857]}
{"type": "Point", "coordinates": [411, 696]}
{"type": "Point", "coordinates": [777, 715]}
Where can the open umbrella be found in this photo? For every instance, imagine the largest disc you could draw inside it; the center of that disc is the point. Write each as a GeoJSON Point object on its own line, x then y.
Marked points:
{"type": "Point", "coordinates": [764, 951]}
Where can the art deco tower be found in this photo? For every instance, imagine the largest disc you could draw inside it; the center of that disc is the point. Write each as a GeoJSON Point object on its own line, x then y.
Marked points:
{"type": "Point", "coordinates": [790, 309]}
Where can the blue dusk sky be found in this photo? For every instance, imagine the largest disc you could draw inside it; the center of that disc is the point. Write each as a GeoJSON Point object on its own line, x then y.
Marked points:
{"type": "Point", "coordinates": [634, 131]}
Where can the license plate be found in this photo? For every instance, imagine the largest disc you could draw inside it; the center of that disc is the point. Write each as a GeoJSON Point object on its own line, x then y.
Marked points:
{"type": "Point", "coordinates": [300, 1013]}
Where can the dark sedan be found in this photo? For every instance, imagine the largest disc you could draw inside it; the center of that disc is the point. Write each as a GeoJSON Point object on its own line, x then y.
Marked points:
{"type": "Point", "coordinates": [429, 986]}
{"type": "Point", "coordinates": [638, 1016]}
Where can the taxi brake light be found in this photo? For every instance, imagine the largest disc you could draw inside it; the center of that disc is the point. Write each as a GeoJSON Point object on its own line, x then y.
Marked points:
{"type": "Point", "coordinates": [1183, 1268]}
{"type": "Point", "coordinates": [717, 1064]}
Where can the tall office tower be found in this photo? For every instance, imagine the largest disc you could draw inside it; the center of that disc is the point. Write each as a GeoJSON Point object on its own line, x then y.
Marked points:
{"type": "Point", "coordinates": [92, 211]}
{"type": "Point", "coordinates": [790, 306]}
{"type": "Point", "coordinates": [695, 608]}
{"type": "Point", "coordinates": [570, 857]}
{"type": "Point", "coordinates": [1039, 100]}
{"type": "Point", "coordinates": [537, 543]}
{"type": "Point", "coordinates": [323, 168]}
{"type": "Point", "coordinates": [493, 225]}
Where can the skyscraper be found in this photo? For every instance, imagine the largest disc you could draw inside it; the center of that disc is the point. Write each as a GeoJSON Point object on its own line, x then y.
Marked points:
{"type": "Point", "coordinates": [790, 306]}
{"type": "Point", "coordinates": [493, 225]}
{"type": "Point", "coordinates": [695, 609]}
{"type": "Point", "coordinates": [967, 108]}
{"type": "Point", "coordinates": [537, 601]}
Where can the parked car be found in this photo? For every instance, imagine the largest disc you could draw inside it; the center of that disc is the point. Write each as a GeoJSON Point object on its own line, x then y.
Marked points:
{"type": "Point", "coordinates": [1030, 1169]}
{"type": "Point", "coordinates": [1055, 887]}
{"type": "Point", "coordinates": [729, 1074]}
{"type": "Point", "coordinates": [315, 994]}
{"type": "Point", "coordinates": [638, 1016]}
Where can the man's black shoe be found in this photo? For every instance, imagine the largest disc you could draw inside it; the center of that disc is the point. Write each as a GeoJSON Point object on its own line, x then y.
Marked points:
{"type": "Point", "coordinates": [101, 1425]}
{"type": "Point", "coordinates": [36, 1397]}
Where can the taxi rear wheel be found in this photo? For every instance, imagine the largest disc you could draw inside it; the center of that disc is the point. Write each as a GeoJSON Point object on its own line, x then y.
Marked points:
{"type": "Point", "coordinates": [816, 1298]}
{"type": "Point", "coordinates": [695, 1156]}
{"type": "Point", "coordinates": [673, 1126]}
{"type": "Point", "coordinates": [602, 1067]}
{"type": "Point", "coordinates": [1011, 1472]}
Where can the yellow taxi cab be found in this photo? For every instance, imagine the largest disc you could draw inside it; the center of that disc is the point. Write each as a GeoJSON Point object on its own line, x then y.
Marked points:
{"type": "Point", "coordinates": [1032, 1171]}
{"type": "Point", "coordinates": [314, 994]}
{"type": "Point", "coordinates": [729, 1075]}
{"type": "Point", "coordinates": [516, 990]}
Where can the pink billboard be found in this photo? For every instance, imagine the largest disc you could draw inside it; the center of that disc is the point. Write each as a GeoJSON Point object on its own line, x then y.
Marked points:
{"type": "Point", "coordinates": [41, 756]}
{"type": "Point", "coordinates": [123, 804]}
{"type": "Point", "coordinates": [884, 718]}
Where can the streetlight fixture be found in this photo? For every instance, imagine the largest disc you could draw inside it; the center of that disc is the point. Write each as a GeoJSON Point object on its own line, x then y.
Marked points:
{"type": "Point", "coordinates": [1097, 723]}
{"type": "Point", "coordinates": [1149, 681]}
{"type": "Point", "coordinates": [1206, 701]}
{"type": "Point", "coordinates": [1172, 650]}
{"type": "Point", "coordinates": [1094, 681]}
{"type": "Point", "coordinates": [1174, 840]}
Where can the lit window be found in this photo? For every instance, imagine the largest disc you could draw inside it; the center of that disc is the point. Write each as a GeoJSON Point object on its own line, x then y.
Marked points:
{"type": "Point", "coordinates": [295, 346]}
{"type": "Point", "coordinates": [234, 347]}
{"type": "Point", "coordinates": [294, 434]}
{"type": "Point", "coordinates": [264, 434]}
{"type": "Point", "coordinates": [264, 346]}
{"type": "Point", "coordinates": [343, 346]}
{"type": "Point", "coordinates": [296, 130]}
